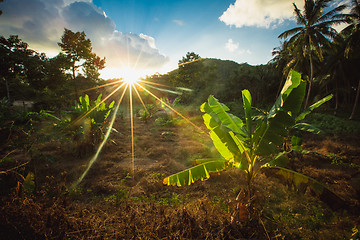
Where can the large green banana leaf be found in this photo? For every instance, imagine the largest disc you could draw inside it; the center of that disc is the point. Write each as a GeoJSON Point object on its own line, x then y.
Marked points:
{"type": "Point", "coordinates": [199, 172]}
{"type": "Point", "coordinates": [301, 182]}
{"type": "Point", "coordinates": [220, 115]}
{"type": "Point", "coordinates": [221, 124]}
{"type": "Point", "coordinates": [288, 98]}
{"type": "Point", "coordinates": [274, 126]}
{"type": "Point", "coordinates": [312, 107]}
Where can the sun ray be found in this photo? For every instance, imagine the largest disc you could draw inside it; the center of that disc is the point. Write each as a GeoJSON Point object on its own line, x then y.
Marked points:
{"type": "Point", "coordinates": [132, 132]}
{"type": "Point", "coordinates": [138, 58]}
{"type": "Point", "coordinates": [167, 105]}
{"type": "Point", "coordinates": [94, 158]}
{"type": "Point", "coordinates": [97, 105]}
{"type": "Point", "coordinates": [185, 63]}
{"type": "Point", "coordinates": [103, 85]}
{"type": "Point", "coordinates": [142, 102]}
{"type": "Point", "coordinates": [163, 90]}
{"type": "Point", "coordinates": [130, 80]}
{"type": "Point", "coordinates": [153, 83]}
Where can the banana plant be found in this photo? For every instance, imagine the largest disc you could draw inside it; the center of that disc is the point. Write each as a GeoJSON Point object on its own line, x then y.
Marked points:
{"type": "Point", "coordinates": [243, 144]}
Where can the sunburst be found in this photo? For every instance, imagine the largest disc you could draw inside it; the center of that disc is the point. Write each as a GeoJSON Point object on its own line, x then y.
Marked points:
{"type": "Point", "coordinates": [130, 81]}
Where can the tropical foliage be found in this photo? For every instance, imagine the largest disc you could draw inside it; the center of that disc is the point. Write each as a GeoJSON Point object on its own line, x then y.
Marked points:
{"type": "Point", "coordinates": [314, 32]}
{"type": "Point", "coordinates": [326, 57]}
{"type": "Point", "coordinates": [246, 143]}
{"type": "Point", "coordinates": [86, 123]}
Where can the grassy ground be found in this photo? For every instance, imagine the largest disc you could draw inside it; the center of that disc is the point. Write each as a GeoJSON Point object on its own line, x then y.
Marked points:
{"type": "Point", "coordinates": [111, 203]}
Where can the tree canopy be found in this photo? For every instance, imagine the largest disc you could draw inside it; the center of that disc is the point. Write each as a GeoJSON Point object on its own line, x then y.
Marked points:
{"type": "Point", "coordinates": [82, 62]}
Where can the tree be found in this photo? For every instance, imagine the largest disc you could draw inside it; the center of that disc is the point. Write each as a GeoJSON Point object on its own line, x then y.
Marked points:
{"type": "Point", "coordinates": [284, 61]}
{"type": "Point", "coordinates": [335, 70]}
{"type": "Point", "coordinates": [190, 57]}
{"type": "Point", "coordinates": [14, 58]}
{"type": "Point", "coordinates": [188, 73]}
{"type": "Point", "coordinates": [187, 69]}
{"type": "Point", "coordinates": [353, 43]}
{"type": "Point", "coordinates": [82, 60]}
{"type": "Point", "coordinates": [314, 32]}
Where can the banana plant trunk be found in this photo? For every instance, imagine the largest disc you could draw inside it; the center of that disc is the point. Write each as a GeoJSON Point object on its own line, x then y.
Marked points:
{"type": "Point", "coordinates": [249, 185]}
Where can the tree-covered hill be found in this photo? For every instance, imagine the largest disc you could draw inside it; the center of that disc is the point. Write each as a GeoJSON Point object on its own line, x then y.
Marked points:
{"type": "Point", "coordinates": [223, 78]}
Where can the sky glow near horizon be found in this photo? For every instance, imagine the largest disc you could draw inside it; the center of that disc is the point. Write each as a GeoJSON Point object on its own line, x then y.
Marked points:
{"type": "Point", "coordinates": [147, 36]}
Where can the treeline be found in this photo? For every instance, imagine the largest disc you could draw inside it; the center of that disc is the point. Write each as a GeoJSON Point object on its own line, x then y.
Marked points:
{"type": "Point", "coordinates": [51, 83]}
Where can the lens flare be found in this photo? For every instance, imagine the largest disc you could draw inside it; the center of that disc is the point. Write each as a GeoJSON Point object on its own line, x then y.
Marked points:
{"type": "Point", "coordinates": [131, 76]}
{"type": "Point", "coordinates": [130, 80]}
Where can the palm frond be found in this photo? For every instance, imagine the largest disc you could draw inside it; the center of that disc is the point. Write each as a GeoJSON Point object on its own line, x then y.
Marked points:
{"type": "Point", "coordinates": [300, 19]}
{"type": "Point", "coordinates": [309, 9]}
{"type": "Point", "coordinates": [333, 14]}
{"type": "Point", "coordinates": [290, 32]}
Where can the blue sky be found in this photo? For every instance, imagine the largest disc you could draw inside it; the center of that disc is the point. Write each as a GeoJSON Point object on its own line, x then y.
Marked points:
{"type": "Point", "coordinates": [152, 35]}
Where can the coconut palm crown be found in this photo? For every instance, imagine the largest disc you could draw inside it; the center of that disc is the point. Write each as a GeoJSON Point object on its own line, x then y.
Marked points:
{"type": "Point", "coordinates": [314, 32]}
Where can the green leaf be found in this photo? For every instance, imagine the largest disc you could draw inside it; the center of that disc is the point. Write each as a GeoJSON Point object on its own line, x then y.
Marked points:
{"type": "Point", "coordinates": [205, 160]}
{"type": "Point", "coordinates": [296, 142]}
{"type": "Point", "coordinates": [222, 141]}
{"type": "Point", "coordinates": [272, 133]}
{"type": "Point", "coordinates": [221, 125]}
{"type": "Point", "coordinates": [111, 105]}
{"type": "Point", "coordinates": [281, 160]}
{"type": "Point", "coordinates": [85, 103]}
{"type": "Point", "coordinates": [312, 107]}
{"type": "Point", "coordinates": [29, 183]}
{"type": "Point", "coordinates": [307, 127]}
{"type": "Point", "coordinates": [294, 100]}
{"type": "Point", "coordinates": [98, 100]}
{"type": "Point", "coordinates": [218, 112]}
{"type": "Point", "coordinates": [199, 172]}
{"type": "Point", "coordinates": [293, 81]}
{"type": "Point", "coordinates": [301, 182]}
{"type": "Point", "coordinates": [246, 96]}
{"type": "Point", "coordinates": [242, 161]}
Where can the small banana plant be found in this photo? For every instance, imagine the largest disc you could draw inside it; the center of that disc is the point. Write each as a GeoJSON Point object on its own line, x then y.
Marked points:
{"type": "Point", "coordinates": [86, 123]}
{"type": "Point", "coordinates": [253, 144]}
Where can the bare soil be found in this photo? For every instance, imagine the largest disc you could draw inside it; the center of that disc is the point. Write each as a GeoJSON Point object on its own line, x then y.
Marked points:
{"type": "Point", "coordinates": [113, 203]}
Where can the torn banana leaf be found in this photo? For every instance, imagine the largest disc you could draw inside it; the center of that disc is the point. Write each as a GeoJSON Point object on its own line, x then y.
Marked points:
{"type": "Point", "coordinates": [199, 172]}
{"type": "Point", "coordinates": [301, 182]}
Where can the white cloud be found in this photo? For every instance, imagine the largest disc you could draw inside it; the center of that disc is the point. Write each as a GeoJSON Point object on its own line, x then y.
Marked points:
{"type": "Point", "coordinates": [231, 46]}
{"type": "Point", "coordinates": [259, 13]}
{"type": "Point", "coordinates": [178, 22]}
{"type": "Point", "coordinates": [150, 40]}
{"type": "Point", "coordinates": [41, 24]}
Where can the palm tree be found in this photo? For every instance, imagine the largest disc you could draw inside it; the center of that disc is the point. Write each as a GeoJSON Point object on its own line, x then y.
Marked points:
{"type": "Point", "coordinates": [353, 42]}
{"type": "Point", "coordinates": [335, 69]}
{"type": "Point", "coordinates": [283, 62]}
{"type": "Point", "coordinates": [314, 32]}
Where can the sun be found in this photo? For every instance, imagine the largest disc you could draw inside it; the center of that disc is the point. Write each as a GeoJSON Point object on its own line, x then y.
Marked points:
{"type": "Point", "coordinates": [128, 75]}
{"type": "Point", "coordinates": [131, 76]}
